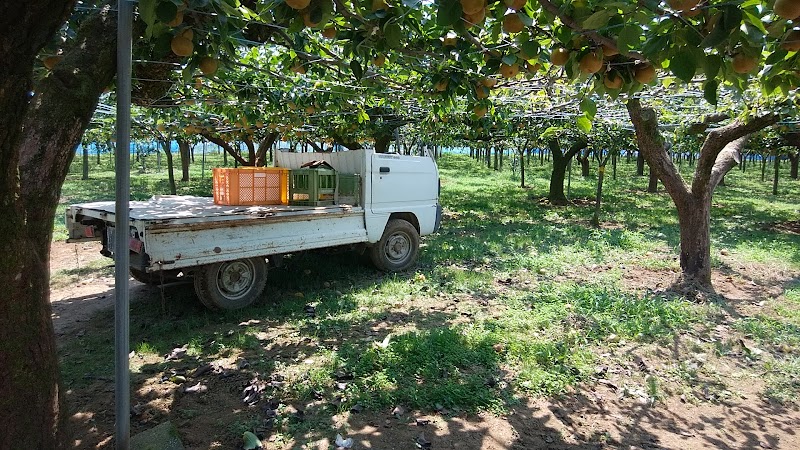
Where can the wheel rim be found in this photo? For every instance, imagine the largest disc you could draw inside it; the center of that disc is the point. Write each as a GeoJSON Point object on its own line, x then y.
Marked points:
{"type": "Point", "coordinates": [235, 279]}
{"type": "Point", "coordinates": [397, 247]}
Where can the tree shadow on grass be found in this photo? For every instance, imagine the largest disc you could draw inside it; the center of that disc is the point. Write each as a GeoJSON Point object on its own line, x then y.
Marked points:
{"type": "Point", "coordinates": [430, 365]}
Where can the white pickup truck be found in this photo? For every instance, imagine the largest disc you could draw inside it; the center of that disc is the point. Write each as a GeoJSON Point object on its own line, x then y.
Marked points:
{"type": "Point", "coordinates": [226, 249]}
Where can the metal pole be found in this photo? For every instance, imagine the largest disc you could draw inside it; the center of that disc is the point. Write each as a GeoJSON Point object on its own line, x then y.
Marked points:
{"type": "Point", "coordinates": [122, 376]}
{"type": "Point", "coordinates": [203, 163]}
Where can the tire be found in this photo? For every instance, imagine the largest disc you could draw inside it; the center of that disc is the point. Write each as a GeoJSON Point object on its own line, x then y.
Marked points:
{"type": "Point", "coordinates": [144, 277]}
{"type": "Point", "coordinates": [153, 278]}
{"type": "Point", "coordinates": [231, 284]}
{"type": "Point", "coordinates": [398, 248]}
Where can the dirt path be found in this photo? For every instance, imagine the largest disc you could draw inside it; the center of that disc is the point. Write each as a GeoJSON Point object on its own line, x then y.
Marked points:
{"type": "Point", "coordinates": [84, 285]}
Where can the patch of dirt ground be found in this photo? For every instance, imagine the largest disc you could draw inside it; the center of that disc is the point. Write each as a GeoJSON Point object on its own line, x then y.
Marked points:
{"type": "Point", "coordinates": [698, 392]}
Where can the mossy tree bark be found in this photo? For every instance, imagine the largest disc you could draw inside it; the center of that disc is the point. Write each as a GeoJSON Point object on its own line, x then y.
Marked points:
{"type": "Point", "coordinates": [165, 145]}
{"type": "Point", "coordinates": [719, 153]}
{"type": "Point", "coordinates": [560, 162]}
{"type": "Point", "coordinates": [583, 158]}
{"type": "Point", "coordinates": [185, 151]}
{"type": "Point", "coordinates": [652, 182]}
{"type": "Point", "coordinates": [33, 168]}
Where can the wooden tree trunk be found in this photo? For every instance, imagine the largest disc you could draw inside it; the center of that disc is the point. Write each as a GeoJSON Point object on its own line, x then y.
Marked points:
{"type": "Point", "coordinates": [639, 164]}
{"type": "Point", "coordinates": [777, 171]}
{"type": "Point", "coordinates": [522, 170]}
{"type": "Point", "coordinates": [560, 163]}
{"type": "Point", "coordinates": [85, 175]}
{"type": "Point", "coordinates": [502, 156]}
{"type": "Point", "coordinates": [583, 158]}
{"type": "Point", "coordinates": [184, 150]}
{"type": "Point", "coordinates": [652, 185]}
{"type": "Point", "coordinates": [170, 167]}
{"type": "Point", "coordinates": [719, 153]}
{"type": "Point", "coordinates": [264, 146]}
{"type": "Point", "coordinates": [33, 166]}
{"type": "Point", "coordinates": [614, 166]}
{"type": "Point", "coordinates": [794, 159]}
{"type": "Point", "coordinates": [382, 143]}
{"type": "Point", "coordinates": [694, 222]}
{"type": "Point", "coordinates": [601, 172]}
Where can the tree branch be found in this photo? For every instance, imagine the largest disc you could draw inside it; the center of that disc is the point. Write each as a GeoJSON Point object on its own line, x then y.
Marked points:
{"type": "Point", "coordinates": [315, 145]}
{"type": "Point", "coordinates": [645, 123]}
{"type": "Point", "coordinates": [699, 127]}
{"type": "Point", "coordinates": [729, 157]}
{"type": "Point", "coordinates": [225, 146]}
{"type": "Point", "coordinates": [266, 143]}
{"type": "Point", "coordinates": [347, 144]}
{"type": "Point", "coordinates": [717, 140]}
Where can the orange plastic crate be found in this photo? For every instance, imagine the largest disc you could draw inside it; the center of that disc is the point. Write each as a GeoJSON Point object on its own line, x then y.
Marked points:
{"type": "Point", "coordinates": [251, 186]}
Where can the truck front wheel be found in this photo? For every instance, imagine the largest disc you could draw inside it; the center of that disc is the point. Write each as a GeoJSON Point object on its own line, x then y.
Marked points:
{"type": "Point", "coordinates": [398, 248]}
{"type": "Point", "coordinates": [231, 284]}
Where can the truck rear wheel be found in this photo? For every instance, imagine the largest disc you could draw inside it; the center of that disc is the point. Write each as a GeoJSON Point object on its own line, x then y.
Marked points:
{"type": "Point", "coordinates": [154, 278]}
{"type": "Point", "coordinates": [398, 248]}
{"type": "Point", "coordinates": [231, 284]}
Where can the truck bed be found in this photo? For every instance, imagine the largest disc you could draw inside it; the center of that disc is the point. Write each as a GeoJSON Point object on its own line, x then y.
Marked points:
{"type": "Point", "coordinates": [179, 209]}
{"type": "Point", "coordinates": [172, 232]}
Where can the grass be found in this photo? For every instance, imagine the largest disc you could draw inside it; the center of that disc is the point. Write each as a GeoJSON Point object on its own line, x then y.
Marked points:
{"type": "Point", "coordinates": [510, 299]}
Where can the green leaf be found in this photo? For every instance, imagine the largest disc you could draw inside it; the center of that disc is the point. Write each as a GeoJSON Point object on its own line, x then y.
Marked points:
{"type": "Point", "coordinates": [251, 441]}
{"type": "Point", "coordinates": [683, 66]}
{"type": "Point", "coordinates": [526, 19]}
{"type": "Point", "coordinates": [628, 38]}
{"type": "Point", "coordinates": [588, 107]}
{"type": "Point", "coordinates": [584, 124]}
{"type": "Point", "coordinates": [393, 34]}
{"type": "Point", "coordinates": [776, 56]}
{"type": "Point", "coordinates": [358, 72]}
{"type": "Point", "coordinates": [598, 19]}
{"type": "Point", "coordinates": [716, 37]}
{"type": "Point", "coordinates": [550, 132]}
{"type": "Point", "coordinates": [755, 21]}
{"type": "Point", "coordinates": [655, 44]}
{"type": "Point", "coordinates": [449, 13]}
{"type": "Point", "coordinates": [711, 65]}
{"type": "Point", "coordinates": [147, 11]}
{"type": "Point", "coordinates": [563, 34]}
{"type": "Point", "coordinates": [710, 91]}
{"type": "Point", "coordinates": [731, 17]}
{"type": "Point", "coordinates": [531, 48]}
{"type": "Point", "coordinates": [510, 59]}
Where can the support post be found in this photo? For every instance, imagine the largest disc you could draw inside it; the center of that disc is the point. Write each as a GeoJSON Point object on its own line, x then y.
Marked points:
{"type": "Point", "coordinates": [122, 377]}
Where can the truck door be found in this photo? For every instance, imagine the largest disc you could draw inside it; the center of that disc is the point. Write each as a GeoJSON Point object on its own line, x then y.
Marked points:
{"type": "Point", "coordinates": [401, 182]}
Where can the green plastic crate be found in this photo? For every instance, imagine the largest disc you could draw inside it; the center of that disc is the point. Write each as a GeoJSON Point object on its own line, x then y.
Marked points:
{"type": "Point", "coordinates": [312, 187]}
{"type": "Point", "coordinates": [348, 189]}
